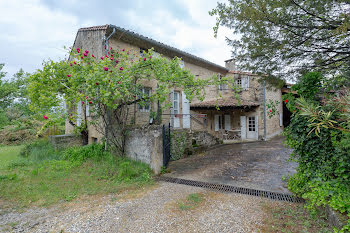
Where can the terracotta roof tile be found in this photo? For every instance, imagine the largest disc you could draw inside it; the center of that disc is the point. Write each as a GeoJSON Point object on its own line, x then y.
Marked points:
{"type": "Point", "coordinates": [94, 28]}
{"type": "Point", "coordinates": [225, 102]}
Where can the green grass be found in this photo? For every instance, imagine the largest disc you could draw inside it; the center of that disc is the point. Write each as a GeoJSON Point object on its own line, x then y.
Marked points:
{"type": "Point", "coordinates": [291, 217]}
{"type": "Point", "coordinates": [40, 178]}
{"type": "Point", "coordinates": [8, 154]}
{"type": "Point", "coordinates": [192, 201]}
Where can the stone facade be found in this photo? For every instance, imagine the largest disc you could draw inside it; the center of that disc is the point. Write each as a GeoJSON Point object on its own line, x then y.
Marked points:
{"type": "Point", "coordinates": [93, 40]}
{"type": "Point", "coordinates": [65, 141]}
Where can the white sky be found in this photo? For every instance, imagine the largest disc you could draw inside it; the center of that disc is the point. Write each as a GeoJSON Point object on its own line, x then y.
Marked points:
{"type": "Point", "coordinates": [36, 30]}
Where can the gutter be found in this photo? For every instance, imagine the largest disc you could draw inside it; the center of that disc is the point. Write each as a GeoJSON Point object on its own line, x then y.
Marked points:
{"type": "Point", "coordinates": [107, 39]}
{"type": "Point", "coordinates": [265, 111]}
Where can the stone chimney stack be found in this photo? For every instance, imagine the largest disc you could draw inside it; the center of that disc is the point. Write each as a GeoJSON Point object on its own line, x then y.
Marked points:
{"type": "Point", "coordinates": [230, 64]}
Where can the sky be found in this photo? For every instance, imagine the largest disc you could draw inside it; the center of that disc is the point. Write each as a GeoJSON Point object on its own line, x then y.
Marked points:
{"type": "Point", "coordinates": [36, 30]}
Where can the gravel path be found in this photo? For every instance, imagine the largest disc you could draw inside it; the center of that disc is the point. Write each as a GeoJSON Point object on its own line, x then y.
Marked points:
{"type": "Point", "coordinates": [155, 209]}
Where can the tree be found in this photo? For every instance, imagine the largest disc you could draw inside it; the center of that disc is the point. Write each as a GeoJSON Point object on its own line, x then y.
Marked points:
{"type": "Point", "coordinates": [109, 86]}
{"type": "Point", "coordinates": [286, 37]}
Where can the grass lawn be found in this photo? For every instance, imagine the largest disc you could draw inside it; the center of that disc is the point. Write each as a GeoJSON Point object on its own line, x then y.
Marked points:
{"type": "Point", "coordinates": [291, 218]}
{"type": "Point", "coordinates": [8, 154]}
{"type": "Point", "coordinates": [45, 177]}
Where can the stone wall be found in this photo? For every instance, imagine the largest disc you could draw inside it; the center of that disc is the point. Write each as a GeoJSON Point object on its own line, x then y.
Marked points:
{"type": "Point", "coordinates": [145, 144]}
{"type": "Point", "coordinates": [64, 141]}
{"type": "Point", "coordinates": [185, 142]}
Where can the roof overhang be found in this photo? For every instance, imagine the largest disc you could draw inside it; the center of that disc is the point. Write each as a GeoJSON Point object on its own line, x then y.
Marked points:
{"type": "Point", "coordinates": [224, 103]}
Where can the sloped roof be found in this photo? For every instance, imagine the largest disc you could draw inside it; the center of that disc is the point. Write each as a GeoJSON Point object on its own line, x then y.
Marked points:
{"type": "Point", "coordinates": [229, 102]}
{"type": "Point", "coordinates": [145, 42]}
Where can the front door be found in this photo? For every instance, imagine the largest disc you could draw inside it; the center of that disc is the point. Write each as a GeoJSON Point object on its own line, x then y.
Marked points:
{"type": "Point", "coordinates": [176, 109]}
{"type": "Point", "coordinates": [252, 127]}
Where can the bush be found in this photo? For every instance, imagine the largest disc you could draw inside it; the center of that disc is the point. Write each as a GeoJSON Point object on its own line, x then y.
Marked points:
{"type": "Point", "coordinates": [81, 154]}
{"type": "Point", "coordinates": [40, 150]}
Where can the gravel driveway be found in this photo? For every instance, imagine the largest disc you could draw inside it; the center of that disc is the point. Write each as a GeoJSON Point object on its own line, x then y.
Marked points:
{"type": "Point", "coordinates": [258, 165]}
{"type": "Point", "coordinates": [153, 210]}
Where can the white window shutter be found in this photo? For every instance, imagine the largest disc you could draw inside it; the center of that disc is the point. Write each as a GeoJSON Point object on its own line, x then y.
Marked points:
{"type": "Point", "coordinates": [87, 109]}
{"type": "Point", "coordinates": [243, 127]}
{"type": "Point", "coordinates": [216, 122]}
{"type": "Point", "coordinates": [256, 127]}
{"type": "Point", "coordinates": [247, 84]}
{"type": "Point", "coordinates": [79, 107]}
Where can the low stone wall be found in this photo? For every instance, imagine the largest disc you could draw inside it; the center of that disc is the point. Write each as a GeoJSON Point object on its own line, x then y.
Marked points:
{"type": "Point", "coordinates": [65, 141]}
{"type": "Point", "coordinates": [185, 142]}
{"type": "Point", "coordinates": [145, 144]}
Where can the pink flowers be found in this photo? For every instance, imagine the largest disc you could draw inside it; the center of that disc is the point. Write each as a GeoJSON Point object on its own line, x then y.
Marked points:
{"type": "Point", "coordinates": [144, 59]}
{"type": "Point", "coordinates": [87, 97]}
{"type": "Point", "coordinates": [69, 75]}
{"type": "Point", "coordinates": [86, 51]}
{"type": "Point", "coordinates": [74, 63]}
{"type": "Point", "coordinates": [78, 50]}
{"type": "Point", "coordinates": [121, 68]}
{"type": "Point", "coordinates": [82, 57]}
{"type": "Point", "coordinates": [119, 82]}
{"type": "Point", "coordinates": [82, 102]}
{"type": "Point", "coordinates": [102, 58]}
{"type": "Point", "coordinates": [70, 64]}
{"type": "Point", "coordinates": [123, 50]}
{"type": "Point", "coordinates": [45, 117]}
{"type": "Point", "coordinates": [105, 68]}
{"type": "Point", "coordinates": [105, 46]}
{"type": "Point", "coordinates": [92, 56]}
{"type": "Point", "coordinates": [116, 61]}
{"type": "Point", "coordinates": [150, 57]}
{"type": "Point", "coordinates": [111, 58]}
{"type": "Point", "coordinates": [85, 54]}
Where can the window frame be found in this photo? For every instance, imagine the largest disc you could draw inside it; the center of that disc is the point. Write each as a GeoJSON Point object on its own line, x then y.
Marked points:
{"type": "Point", "coordinates": [144, 108]}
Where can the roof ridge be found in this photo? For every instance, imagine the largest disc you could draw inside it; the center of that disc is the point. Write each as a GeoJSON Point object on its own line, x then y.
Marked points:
{"type": "Point", "coordinates": [93, 28]}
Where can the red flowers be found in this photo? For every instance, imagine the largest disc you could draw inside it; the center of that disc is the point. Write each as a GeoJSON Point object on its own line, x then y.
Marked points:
{"type": "Point", "coordinates": [286, 100]}
{"type": "Point", "coordinates": [102, 58]}
{"type": "Point", "coordinates": [82, 102]}
{"type": "Point", "coordinates": [74, 63]}
{"type": "Point", "coordinates": [85, 54]}
{"type": "Point", "coordinates": [82, 57]}
{"type": "Point", "coordinates": [119, 82]}
{"type": "Point", "coordinates": [270, 110]}
{"type": "Point", "coordinates": [92, 56]}
{"type": "Point", "coordinates": [87, 97]}
{"type": "Point", "coordinates": [121, 68]}
{"type": "Point", "coordinates": [144, 59]}
{"type": "Point", "coordinates": [105, 46]}
{"type": "Point", "coordinates": [45, 117]}
{"type": "Point", "coordinates": [90, 102]}
{"type": "Point", "coordinates": [96, 83]}
{"type": "Point", "coordinates": [123, 50]}
{"type": "Point", "coordinates": [78, 50]}
{"type": "Point", "coordinates": [116, 61]}
{"type": "Point", "coordinates": [111, 58]}
{"type": "Point", "coordinates": [105, 68]}
{"type": "Point", "coordinates": [86, 51]}
{"type": "Point", "coordinates": [68, 75]}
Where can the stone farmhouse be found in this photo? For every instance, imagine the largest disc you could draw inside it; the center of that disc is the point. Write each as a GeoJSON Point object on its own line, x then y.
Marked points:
{"type": "Point", "coordinates": [246, 120]}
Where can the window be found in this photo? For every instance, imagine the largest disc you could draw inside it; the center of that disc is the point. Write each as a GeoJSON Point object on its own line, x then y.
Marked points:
{"type": "Point", "coordinates": [222, 86]}
{"type": "Point", "coordinates": [145, 106]}
{"type": "Point", "coordinates": [182, 64]}
{"type": "Point", "coordinates": [155, 54]}
{"type": "Point", "coordinates": [251, 124]}
{"type": "Point", "coordinates": [239, 82]}
{"type": "Point", "coordinates": [176, 102]}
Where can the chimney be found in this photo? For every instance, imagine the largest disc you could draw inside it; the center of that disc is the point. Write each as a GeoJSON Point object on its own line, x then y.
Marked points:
{"type": "Point", "coordinates": [230, 64]}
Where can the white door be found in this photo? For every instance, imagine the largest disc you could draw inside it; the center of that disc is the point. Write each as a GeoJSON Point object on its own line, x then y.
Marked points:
{"type": "Point", "coordinates": [228, 122]}
{"type": "Point", "coordinates": [218, 122]}
{"type": "Point", "coordinates": [243, 127]}
{"type": "Point", "coordinates": [252, 127]}
{"type": "Point", "coordinates": [186, 121]}
{"type": "Point", "coordinates": [176, 109]}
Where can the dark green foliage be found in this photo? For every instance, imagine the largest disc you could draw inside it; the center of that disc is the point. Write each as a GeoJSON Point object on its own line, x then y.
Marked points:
{"type": "Point", "coordinates": [287, 37]}
{"type": "Point", "coordinates": [81, 154]}
{"type": "Point", "coordinates": [323, 174]}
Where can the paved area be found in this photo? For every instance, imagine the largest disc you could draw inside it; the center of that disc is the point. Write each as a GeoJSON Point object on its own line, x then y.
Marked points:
{"type": "Point", "coordinates": [258, 165]}
{"type": "Point", "coordinates": [156, 209]}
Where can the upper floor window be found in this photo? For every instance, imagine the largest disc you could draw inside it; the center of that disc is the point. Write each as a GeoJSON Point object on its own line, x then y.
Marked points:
{"type": "Point", "coordinates": [243, 82]}
{"type": "Point", "coordinates": [146, 105]}
{"type": "Point", "coordinates": [222, 86]}
{"type": "Point", "coordinates": [182, 64]}
{"type": "Point", "coordinates": [155, 54]}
